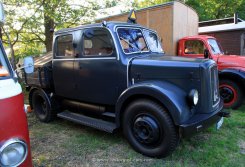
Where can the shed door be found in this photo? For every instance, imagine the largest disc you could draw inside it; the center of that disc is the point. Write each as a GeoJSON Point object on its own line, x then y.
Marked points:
{"type": "Point", "coordinates": [243, 44]}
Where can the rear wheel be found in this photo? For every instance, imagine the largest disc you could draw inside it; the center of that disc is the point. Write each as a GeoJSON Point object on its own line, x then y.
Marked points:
{"type": "Point", "coordinates": [42, 106]}
{"type": "Point", "coordinates": [231, 93]}
{"type": "Point", "coordinates": [149, 129]}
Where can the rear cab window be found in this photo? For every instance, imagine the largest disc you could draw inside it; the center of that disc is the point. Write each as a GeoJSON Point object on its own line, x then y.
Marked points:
{"type": "Point", "coordinates": [4, 69]}
{"type": "Point", "coordinates": [97, 43]}
{"type": "Point", "coordinates": [64, 46]}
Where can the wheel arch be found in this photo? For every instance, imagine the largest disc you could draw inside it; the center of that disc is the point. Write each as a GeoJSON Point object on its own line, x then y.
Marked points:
{"type": "Point", "coordinates": [234, 75]}
{"type": "Point", "coordinates": [168, 95]}
{"type": "Point", "coordinates": [32, 90]}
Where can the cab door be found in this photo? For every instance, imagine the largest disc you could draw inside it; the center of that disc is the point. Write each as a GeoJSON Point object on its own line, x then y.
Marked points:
{"type": "Point", "coordinates": [63, 66]}
{"type": "Point", "coordinates": [97, 68]}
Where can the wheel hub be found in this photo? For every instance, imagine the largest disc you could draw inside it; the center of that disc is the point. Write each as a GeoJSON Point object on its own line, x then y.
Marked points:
{"type": "Point", "coordinates": [227, 94]}
{"type": "Point", "coordinates": [146, 130]}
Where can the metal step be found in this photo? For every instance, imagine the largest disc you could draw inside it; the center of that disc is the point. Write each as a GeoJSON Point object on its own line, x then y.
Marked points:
{"type": "Point", "coordinates": [88, 121]}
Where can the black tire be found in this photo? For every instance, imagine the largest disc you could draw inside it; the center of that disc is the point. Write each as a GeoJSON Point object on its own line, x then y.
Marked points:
{"type": "Point", "coordinates": [149, 129]}
{"type": "Point", "coordinates": [42, 106]}
{"type": "Point", "coordinates": [231, 93]}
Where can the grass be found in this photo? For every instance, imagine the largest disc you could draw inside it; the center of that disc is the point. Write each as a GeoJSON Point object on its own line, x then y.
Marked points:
{"type": "Point", "coordinates": [63, 143]}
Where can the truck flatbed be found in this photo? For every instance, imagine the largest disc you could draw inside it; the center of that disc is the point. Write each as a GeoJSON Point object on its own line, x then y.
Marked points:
{"type": "Point", "coordinates": [41, 77]}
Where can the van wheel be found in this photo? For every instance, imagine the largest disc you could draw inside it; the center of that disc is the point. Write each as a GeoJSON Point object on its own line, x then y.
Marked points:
{"type": "Point", "coordinates": [42, 106]}
{"type": "Point", "coordinates": [231, 93]}
{"type": "Point", "coordinates": [149, 129]}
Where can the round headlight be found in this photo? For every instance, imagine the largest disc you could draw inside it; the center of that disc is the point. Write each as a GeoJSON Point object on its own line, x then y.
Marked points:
{"type": "Point", "coordinates": [13, 153]}
{"type": "Point", "coordinates": [193, 97]}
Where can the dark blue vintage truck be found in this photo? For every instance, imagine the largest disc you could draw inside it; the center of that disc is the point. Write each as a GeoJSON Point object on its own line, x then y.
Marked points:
{"type": "Point", "coordinates": [115, 75]}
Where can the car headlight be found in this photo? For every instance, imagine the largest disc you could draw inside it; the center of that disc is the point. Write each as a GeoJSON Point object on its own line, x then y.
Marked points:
{"type": "Point", "coordinates": [193, 97]}
{"type": "Point", "coordinates": [13, 152]}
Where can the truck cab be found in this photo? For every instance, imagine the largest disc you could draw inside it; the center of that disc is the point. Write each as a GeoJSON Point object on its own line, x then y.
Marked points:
{"type": "Point", "coordinates": [114, 75]}
{"type": "Point", "coordinates": [231, 67]}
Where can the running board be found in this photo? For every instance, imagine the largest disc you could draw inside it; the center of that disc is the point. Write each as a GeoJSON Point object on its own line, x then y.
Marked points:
{"type": "Point", "coordinates": [88, 121]}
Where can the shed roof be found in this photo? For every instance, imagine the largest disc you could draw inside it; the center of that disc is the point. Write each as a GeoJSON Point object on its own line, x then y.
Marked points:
{"type": "Point", "coordinates": [222, 27]}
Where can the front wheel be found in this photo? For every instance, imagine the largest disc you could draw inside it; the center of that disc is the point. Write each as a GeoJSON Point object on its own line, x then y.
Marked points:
{"type": "Point", "coordinates": [42, 106]}
{"type": "Point", "coordinates": [231, 93]}
{"type": "Point", "coordinates": [149, 129]}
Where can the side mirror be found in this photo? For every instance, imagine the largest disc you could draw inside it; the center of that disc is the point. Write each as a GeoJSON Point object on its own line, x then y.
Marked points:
{"type": "Point", "coordinates": [28, 65]}
{"type": "Point", "coordinates": [206, 53]}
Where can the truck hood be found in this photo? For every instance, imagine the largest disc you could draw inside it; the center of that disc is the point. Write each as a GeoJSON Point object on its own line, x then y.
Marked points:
{"type": "Point", "coordinates": [231, 61]}
{"type": "Point", "coordinates": [169, 67]}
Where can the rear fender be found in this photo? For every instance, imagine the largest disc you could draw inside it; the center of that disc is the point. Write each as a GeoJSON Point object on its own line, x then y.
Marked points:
{"type": "Point", "coordinates": [170, 96]}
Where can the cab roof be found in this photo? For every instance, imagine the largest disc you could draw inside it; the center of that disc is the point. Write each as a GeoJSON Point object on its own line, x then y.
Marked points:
{"type": "Point", "coordinates": [110, 24]}
{"type": "Point", "coordinates": [204, 37]}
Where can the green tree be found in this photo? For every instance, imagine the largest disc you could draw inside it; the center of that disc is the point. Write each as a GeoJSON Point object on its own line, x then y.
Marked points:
{"type": "Point", "coordinates": [147, 3]}
{"type": "Point", "coordinates": [206, 9]}
{"type": "Point", "coordinates": [217, 9]}
{"type": "Point", "coordinates": [28, 22]}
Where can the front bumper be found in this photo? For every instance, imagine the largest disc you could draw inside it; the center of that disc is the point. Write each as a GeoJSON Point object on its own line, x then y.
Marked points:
{"type": "Point", "coordinates": [200, 122]}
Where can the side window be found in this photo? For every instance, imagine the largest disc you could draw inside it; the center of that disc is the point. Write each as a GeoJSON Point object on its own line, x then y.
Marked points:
{"type": "Point", "coordinates": [194, 47]}
{"type": "Point", "coordinates": [64, 46]}
{"type": "Point", "coordinates": [97, 42]}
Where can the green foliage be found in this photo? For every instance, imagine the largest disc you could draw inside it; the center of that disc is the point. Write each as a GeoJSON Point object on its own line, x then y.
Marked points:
{"type": "Point", "coordinates": [206, 9]}
{"type": "Point", "coordinates": [147, 3]}
{"type": "Point", "coordinates": [217, 9]}
{"type": "Point", "coordinates": [28, 22]}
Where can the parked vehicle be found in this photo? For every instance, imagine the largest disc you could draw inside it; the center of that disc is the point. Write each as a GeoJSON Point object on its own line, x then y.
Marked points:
{"type": "Point", "coordinates": [114, 75]}
{"type": "Point", "coordinates": [231, 67]}
{"type": "Point", "coordinates": [14, 135]}
{"type": "Point", "coordinates": [176, 23]}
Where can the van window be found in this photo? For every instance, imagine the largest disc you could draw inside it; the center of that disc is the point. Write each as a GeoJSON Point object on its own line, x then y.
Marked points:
{"type": "Point", "coordinates": [4, 70]}
{"type": "Point", "coordinates": [97, 42]}
{"type": "Point", "coordinates": [65, 46]}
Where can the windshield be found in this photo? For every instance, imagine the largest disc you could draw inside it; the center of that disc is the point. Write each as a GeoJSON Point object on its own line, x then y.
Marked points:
{"type": "Point", "coordinates": [153, 42]}
{"type": "Point", "coordinates": [4, 70]}
{"type": "Point", "coordinates": [132, 40]}
{"type": "Point", "coordinates": [214, 46]}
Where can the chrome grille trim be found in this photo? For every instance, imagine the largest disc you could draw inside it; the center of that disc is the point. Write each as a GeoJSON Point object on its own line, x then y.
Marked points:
{"type": "Point", "coordinates": [214, 84]}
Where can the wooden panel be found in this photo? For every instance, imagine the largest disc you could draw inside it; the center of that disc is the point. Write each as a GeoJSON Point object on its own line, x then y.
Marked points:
{"type": "Point", "coordinates": [185, 23]}
{"type": "Point", "coordinates": [160, 20]}
{"type": "Point", "coordinates": [172, 21]}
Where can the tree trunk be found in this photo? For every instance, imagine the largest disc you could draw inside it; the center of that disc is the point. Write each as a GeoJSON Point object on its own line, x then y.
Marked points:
{"type": "Point", "coordinates": [49, 26]}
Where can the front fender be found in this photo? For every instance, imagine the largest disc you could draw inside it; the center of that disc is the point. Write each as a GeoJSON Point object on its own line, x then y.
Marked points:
{"type": "Point", "coordinates": [170, 96]}
{"type": "Point", "coordinates": [233, 73]}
